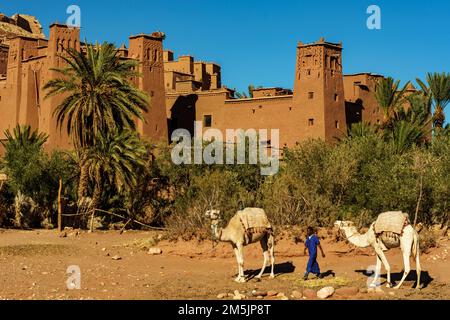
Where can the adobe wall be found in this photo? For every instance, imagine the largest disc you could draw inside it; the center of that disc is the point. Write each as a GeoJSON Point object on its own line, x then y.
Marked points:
{"type": "Point", "coordinates": [148, 50]}
{"type": "Point", "coordinates": [265, 113]}
{"type": "Point", "coordinates": [360, 94]}
{"type": "Point", "coordinates": [3, 59]}
{"type": "Point", "coordinates": [334, 99]}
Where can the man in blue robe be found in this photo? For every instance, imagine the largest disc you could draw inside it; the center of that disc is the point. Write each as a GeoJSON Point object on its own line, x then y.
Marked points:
{"type": "Point", "coordinates": [311, 243]}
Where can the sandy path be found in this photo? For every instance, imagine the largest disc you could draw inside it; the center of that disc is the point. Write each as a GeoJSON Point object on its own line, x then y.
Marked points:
{"type": "Point", "coordinates": [33, 266]}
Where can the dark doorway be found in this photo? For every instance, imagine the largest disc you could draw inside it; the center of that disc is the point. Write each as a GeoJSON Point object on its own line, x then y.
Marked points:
{"type": "Point", "coordinates": [182, 114]}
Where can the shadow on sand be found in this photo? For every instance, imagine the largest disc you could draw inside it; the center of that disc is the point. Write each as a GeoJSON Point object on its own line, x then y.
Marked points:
{"type": "Point", "coordinates": [425, 278]}
{"type": "Point", "coordinates": [279, 268]}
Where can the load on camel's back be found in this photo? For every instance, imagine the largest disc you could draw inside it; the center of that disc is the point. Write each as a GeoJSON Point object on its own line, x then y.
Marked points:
{"type": "Point", "coordinates": [255, 221]}
{"type": "Point", "coordinates": [389, 227]}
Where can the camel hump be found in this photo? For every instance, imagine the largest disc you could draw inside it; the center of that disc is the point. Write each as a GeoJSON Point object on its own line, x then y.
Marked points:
{"type": "Point", "coordinates": [391, 221]}
{"type": "Point", "coordinates": [254, 218]}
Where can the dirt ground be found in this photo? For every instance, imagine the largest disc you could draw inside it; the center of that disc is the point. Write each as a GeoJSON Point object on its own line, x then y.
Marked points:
{"type": "Point", "coordinates": [33, 265]}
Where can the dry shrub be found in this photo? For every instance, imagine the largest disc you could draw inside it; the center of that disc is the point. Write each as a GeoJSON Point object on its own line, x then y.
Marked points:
{"type": "Point", "coordinates": [212, 190]}
{"type": "Point", "coordinates": [428, 239]}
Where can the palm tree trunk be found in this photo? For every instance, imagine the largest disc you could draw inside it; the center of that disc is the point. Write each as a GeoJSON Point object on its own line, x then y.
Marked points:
{"type": "Point", "coordinates": [84, 179]}
{"type": "Point", "coordinates": [439, 117]}
{"type": "Point", "coordinates": [96, 197]}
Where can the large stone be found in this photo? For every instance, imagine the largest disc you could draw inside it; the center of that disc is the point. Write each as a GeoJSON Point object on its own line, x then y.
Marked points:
{"type": "Point", "coordinates": [238, 295]}
{"type": "Point", "coordinates": [154, 251]}
{"type": "Point", "coordinates": [309, 293]}
{"type": "Point", "coordinates": [222, 295]}
{"type": "Point", "coordinates": [325, 292]}
{"type": "Point", "coordinates": [297, 294]}
{"type": "Point", "coordinates": [257, 293]}
{"type": "Point", "coordinates": [116, 257]}
{"type": "Point", "coordinates": [271, 293]}
{"type": "Point", "coordinates": [347, 291]}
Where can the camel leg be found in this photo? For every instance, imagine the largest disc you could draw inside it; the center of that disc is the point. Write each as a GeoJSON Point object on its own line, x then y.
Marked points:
{"type": "Point", "coordinates": [236, 253]}
{"type": "Point", "coordinates": [240, 259]}
{"type": "Point", "coordinates": [271, 244]}
{"type": "Point", "coordinates": [406, 251]}
{"type": "Point", "coordinates": [383, 259]}
{"type": "Point", "coordinates": [377, 272]}
{"type": "Point", "coordinates": [264, 247]}
{"type": "Point", "coordinates": [418, 267]}
{"type": "Point", "coordinates": [406, 272]}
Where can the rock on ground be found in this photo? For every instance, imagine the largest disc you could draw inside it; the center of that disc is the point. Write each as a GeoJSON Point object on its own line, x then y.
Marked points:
{"type": "Point", "coordinates": [257, 293]}
{"type": "Point", "coordinates": [271, 293]}
{"type": "Point", "coordinates": [347, 291]}
{"type": "Point", "coordinates": [309, 293]}
{"type": "Point", "coordinates": [297, 294]}
{"type": "Point", "coordinates": [325, 292]}
{"type": "Point", "coordinates": [238, 296]}
{"type": "Point", "coordinates": [154, 251]}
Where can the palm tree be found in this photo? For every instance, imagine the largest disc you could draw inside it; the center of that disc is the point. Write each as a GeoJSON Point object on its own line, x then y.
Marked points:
{"type": "Point", "coordinates": [389, 98]}
{"type": "Point", "coordinates": [23, 136]}
{"type": "Point", "coordinates": [23, 150]}
{"type": "Point", "coordinates": [115, 159]}
{"type": "Point", "coordinates": [360, 129]}
{"type": "Point", "coordinates": [99, 98]}
{"type": "Point", "coordinates": [99, 95]}
{"type": "Point", "coordinates": [412, 125]}
{"type": "Point", "coordinates": [245, 95]}
{"type": "Point", "coordinates": [438, 89]}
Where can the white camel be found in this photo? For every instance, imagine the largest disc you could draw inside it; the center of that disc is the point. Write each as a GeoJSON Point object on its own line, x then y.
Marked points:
{"type": "Point", "coordinates": [235, 234]}
{"type": "Point", "coordinates": [408, 243]}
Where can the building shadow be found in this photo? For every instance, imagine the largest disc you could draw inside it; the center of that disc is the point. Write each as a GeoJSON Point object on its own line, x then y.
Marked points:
{"type": "Point", "coordinates": [425, 278]}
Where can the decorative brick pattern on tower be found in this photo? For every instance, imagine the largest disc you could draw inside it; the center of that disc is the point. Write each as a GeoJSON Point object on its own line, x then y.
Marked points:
{"type": "Point", "coordinates": [61, 36]}
{"type": "Point", "coordinates": [319, 90]}
{"type": "Point", "coordinates": [148, 50]}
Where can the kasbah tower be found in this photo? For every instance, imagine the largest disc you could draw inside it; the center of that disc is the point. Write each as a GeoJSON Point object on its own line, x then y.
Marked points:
{"type": "Point", "coordinates": [322, 104]}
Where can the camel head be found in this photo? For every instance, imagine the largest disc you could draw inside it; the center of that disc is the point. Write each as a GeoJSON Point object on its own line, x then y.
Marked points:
{"type": "Point", "coordinates": [344, 224]}
{"type": "Point", "coordinates": [213, 214]}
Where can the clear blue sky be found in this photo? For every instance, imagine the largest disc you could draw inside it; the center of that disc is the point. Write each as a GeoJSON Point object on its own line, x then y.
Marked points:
{"type": "Point", "coordinates": [255, 40]}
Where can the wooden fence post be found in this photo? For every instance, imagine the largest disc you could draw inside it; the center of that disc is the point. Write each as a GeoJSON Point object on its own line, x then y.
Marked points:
{"type": "Point", "coordinates": [59, 206]}
{"type": "Point", "coordinates": [91, 229]}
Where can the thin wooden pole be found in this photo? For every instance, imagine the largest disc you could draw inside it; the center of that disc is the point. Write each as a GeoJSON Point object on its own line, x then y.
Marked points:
{"type": "Point", "coordinates": [92, 221]}
{"type": "Point", "coordinates": [125, 225]}
{"type": "Point", "coordinates": [59, 206]}
{"type": "Point", "coordinates": [419, 199]}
